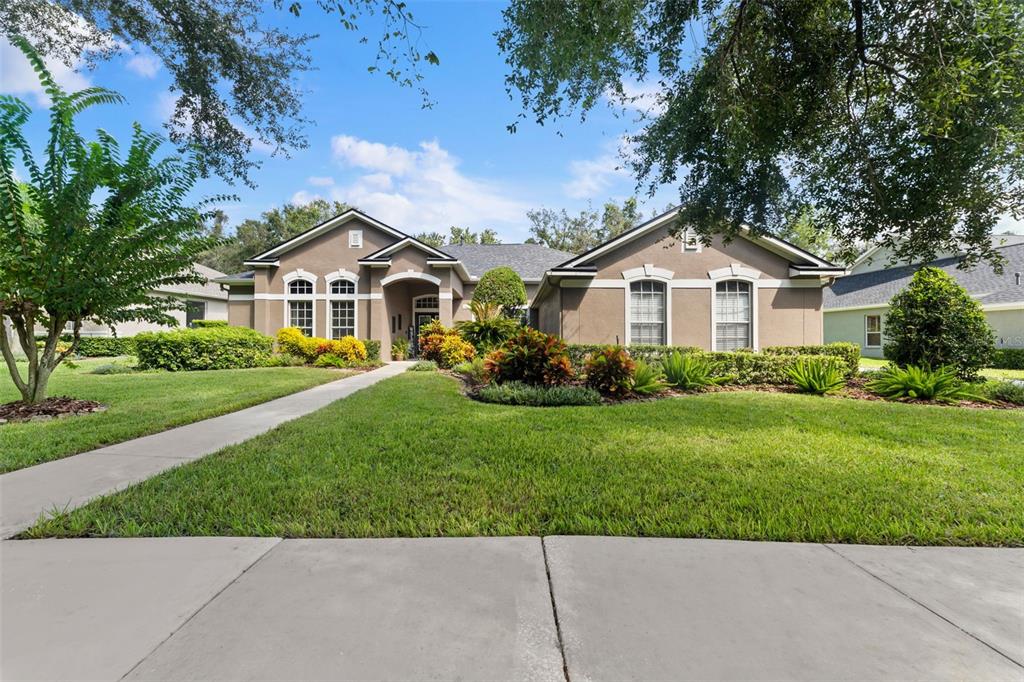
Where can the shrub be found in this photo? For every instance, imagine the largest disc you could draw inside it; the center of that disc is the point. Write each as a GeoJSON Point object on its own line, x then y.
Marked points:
{"type": "Point", "coordinates": [200, 349]}
{"type": "Point", "coordinates": [752, 368]}
{"type": "Point", "coordinates": [818, 375]}
{"type": "Point", "coordinates": [518, 393]}
{"type": "Point", "coordinates": [472, 371]}
{"type": "Point", "coordinates": [934, 322]}
{"type": "Point", "coordinates": [610, 370]}
{"type": "Point", "coordinates": [647, 378]}
{"type": "Point", "coordinates": [206, 324]}
{"type": "Point", "coordinates": [424, 366]}
{"type": "Point", "coordinates": [454, 350]}
{"type": "Point", "coordinates": [331, 360]}
{"type": "Point", "coordinates": [350, 349]}
{"type": "Point", "coordinates": [291, 340]}
{"type": "Point", "coordinates": [920, 383]}
{"type": "Point", "coordinates": [400, 348]}
{"type": "Point", "coordinates": [113, 368]}
{"type": "Point", "coordinates": [1008, 358]}
{"type": "Point", "coordinates": [103, 346]}
{"type": "Point", "coordinates": [285, 360]}
{"type": "Point", "coordinates": [849, 353]}
{"type": "Point", "coordinates": [372, 347]}
{"type": "Point", "coordinates": [504, 287]}
{"type": "Point", "coordinates": [531, 357]}
{"type": "Point", "coordinates": [647, 352]}
{"type": "Point", "coordinates": [488, 329]}
{"type": "Point", "coordinates": [1007, 391]}
{"type": "Point", "coordinates": [691, 372]}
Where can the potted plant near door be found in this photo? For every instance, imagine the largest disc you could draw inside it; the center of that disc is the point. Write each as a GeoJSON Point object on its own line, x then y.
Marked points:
{"type": "Point", "coordinates": [400, 348]}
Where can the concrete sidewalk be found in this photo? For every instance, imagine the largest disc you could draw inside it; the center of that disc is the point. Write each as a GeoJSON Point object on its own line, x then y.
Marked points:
{"type": "Point", "coordinates": [72, 481]}
{"type": "Point", "coordinates": [577, 608]}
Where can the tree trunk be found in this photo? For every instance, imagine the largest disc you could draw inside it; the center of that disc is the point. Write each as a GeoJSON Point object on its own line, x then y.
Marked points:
{"type": "Point", "coordinates": [40, 364]}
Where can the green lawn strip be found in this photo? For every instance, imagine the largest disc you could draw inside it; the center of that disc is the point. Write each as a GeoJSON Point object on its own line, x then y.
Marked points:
{"type": "Point", "coordinates": [140, 404]}
{"type": "Point", "coordinates": [989, 373]}
{"type": "Point", "coordinates": [411, 456]}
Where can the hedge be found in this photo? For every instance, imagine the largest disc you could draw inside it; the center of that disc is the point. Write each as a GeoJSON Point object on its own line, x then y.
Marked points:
{"type": "Point", "coordinates": [201, 349]}
{"type": "Point", "coordinates": [745, 367]}
{"type": "Point", "coordinates": [578, 352]}
{"type": "Point", "coordinates": [849, 353]}
{"type": "Point", "coordinates": [1008, 358]}
{"type": "Point", "coordinates": [206, 324]}
{"type": "Point", "coordinates": [104, 346]}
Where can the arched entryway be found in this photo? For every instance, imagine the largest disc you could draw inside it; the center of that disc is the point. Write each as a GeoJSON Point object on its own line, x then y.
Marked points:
{"type": "Point", "coordinates": [411, 299]}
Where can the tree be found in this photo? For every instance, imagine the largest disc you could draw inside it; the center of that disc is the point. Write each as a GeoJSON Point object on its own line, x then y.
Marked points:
{"type": "Point", "coordinates": [578, 233]}
{"type": "Point", "coordinates": [810, 234]}
{"type": "Point", "coordinates": [91, 233]}
{"type": "Point", "coordinates": [935, 322]}
{"type": "Point", "coordinates": [235, 75]}
{"type": "Point", "coordinates": [464, 235]}
{"type": "Point", "coordinates": [435, 239]}
{"type": "Point", "coordinates": [274, 226]}
{"type": "Point", "coordinates": [504, 287]}
{"type": "Point", "coordinates": [900, 123]}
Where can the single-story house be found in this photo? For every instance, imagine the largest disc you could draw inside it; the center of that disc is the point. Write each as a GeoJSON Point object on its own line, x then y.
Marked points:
{"type": "Point", "coordinates": [856, 305]}
{"type": "Point", "coordinates": [354, 275]}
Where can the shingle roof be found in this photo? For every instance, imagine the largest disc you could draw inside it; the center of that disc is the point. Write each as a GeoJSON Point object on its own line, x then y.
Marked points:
{"type": "Point", "coordinates": [981, 282]}
{"type": "Point", "coordinates": [531, 261]}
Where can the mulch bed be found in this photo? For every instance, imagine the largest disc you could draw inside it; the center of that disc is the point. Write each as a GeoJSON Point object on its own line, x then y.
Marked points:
{"type": "Point", "coordinates": [51, 408]}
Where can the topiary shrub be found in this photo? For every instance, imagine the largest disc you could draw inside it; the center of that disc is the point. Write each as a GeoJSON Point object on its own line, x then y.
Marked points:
{"type": "Point", "coordinates": [201, 349]}
{"type": "Point", "coordinates": [504, 287]}
{"type": "Point", "coordinates": [610, 371]}
{"type": "Point", "coordinates": [934, 322]}
{"type": "Point", "coordinates": [531, 357]}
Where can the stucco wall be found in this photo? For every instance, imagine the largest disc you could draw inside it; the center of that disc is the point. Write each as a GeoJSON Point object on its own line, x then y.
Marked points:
{"type": "Point", "coordinates": [789, 317]}
{"type": "Point", "coordinates": [1009, 327]}
{"type": "Point", "coordinates": [593, 315]}
{"type": "Point", "coordinates": [691, 317]}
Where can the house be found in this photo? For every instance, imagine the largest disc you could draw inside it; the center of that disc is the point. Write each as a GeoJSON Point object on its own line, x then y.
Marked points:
{"type": "Point", "coordinates": [855, 305]}
{"type": "Point", "coordinates": [207, 301]}
{"type": "Point", "coordinates": [355, 275]}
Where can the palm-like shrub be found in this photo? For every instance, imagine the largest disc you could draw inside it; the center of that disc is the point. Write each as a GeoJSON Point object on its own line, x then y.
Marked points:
{"type": "Point", "coordinates": [691, 371]}
{"type": "Point", "coordinates": [610, 370]}
{"type": "Point", "coordinates": [817, 375]}
{"type": "Point", "coordinates": [648, 378]}
{"type": "Point", "coordinates": [531, 357]}
{"type": "Point", "coordinates": [488, 329]}
{"type": "Point", "coordinates": [920, 383]}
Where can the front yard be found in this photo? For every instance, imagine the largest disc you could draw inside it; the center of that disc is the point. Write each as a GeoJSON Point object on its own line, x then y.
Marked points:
{"type": "Point", "coordinates": [139, 404]}
{"type": "Point", "coordinates": [412, 456]}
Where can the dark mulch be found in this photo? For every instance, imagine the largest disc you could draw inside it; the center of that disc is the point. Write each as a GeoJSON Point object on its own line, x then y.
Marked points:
{"type": "Point", "coordinates": [55, 406]}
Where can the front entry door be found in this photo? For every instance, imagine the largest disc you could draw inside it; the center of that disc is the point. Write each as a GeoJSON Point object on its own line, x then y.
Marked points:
{"type": "Point", "coordinates": [421, 319]}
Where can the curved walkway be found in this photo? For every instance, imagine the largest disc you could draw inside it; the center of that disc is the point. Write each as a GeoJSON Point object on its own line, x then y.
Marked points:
{"type": "Point", "coordinates": [72, 481]}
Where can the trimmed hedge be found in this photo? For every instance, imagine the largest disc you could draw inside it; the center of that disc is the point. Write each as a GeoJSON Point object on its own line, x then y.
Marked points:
{"type": "Point", "coordinates": [1008, 358]}
{"type": "Point", "coordinates": [849, 353]}
{"type": "Point", "coordinates": [754, 368]}
{"type": "Point", "coordinates": [202, 349]}
{"type": "Point", "coordinates": [578, 352]}
{"type": "Point", "coordinates": [206, 324]}
{"type": "Point", "coordinates": [104, 346]}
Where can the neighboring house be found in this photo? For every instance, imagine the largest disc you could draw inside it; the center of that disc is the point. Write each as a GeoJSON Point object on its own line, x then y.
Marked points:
{"type": "Point", "coordinates": [206, 301]}
{"type": "Point", "coordinates": [355, 275]}
{"type": "Point", "coordinates": [855, 305]}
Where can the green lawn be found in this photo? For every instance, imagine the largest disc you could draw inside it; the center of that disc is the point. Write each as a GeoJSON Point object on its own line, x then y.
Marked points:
{"type": "Point", "coordinates": [411, 456]}
{"type": "Point", "coordinates": [139, 404]}
{"type": "Point", "coordinates": [874, 363]}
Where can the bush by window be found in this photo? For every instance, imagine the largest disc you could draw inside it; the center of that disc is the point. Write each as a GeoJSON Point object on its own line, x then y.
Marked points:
{"type": "Point", "coordinates": [610, 371]}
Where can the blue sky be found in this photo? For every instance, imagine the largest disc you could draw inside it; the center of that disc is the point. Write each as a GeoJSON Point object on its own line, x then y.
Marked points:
{"type": "Point", "coordinates": [373, 145]}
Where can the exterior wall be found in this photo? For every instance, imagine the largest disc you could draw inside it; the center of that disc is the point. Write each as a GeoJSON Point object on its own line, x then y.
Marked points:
{"type": "Point", "coordinates": [1009, 327]}
{"type": "Point", "coordinates": [691, 317]}
{"type": "Point", "coordinates": [240, 313]}
{"type": "Point", "coordinates": [549, 313]}
{"type": "Point", "coordinates": [593, 315]}
{"type": "Point", "coordinates": [789, 317]}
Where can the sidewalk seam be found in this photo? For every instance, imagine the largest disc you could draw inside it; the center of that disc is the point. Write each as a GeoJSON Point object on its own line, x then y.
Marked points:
{"type": "Point", "coordinates": [188, 620]}
{"type": "Point", "coordinates": [924, 606]}
{"type": "Point", "coordinates": [554, 609]}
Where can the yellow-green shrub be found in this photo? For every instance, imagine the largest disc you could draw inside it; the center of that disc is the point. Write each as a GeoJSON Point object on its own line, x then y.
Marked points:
{"type": "Point", "coordinates": [291, 340]}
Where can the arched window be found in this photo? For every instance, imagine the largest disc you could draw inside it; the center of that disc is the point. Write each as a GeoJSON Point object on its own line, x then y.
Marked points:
{"type": "Point", "coordinates": [342, 308]}
{"type": "Point", "coordinates": [733, 315]}
{"type": "Point", "coordinates": [647, 311]}
{"type": "Point", "coordinates": [300, 310]}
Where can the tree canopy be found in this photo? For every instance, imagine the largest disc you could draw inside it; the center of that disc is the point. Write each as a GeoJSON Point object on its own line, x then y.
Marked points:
{"type": "Point", "coordinates": [92, 231]}
{"type": "Point", "coordinates": [459, 235]}
{"type": "Point", "coordinates": [235, 75]}
{"type": "Point", "coordinates": [578, 233]}
{"type": "Point", "coordinates": [897, 123]}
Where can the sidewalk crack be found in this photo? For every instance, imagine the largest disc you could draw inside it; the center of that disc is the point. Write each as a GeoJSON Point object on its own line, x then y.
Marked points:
{"type": "Point", "coordinates": [554, 610]}
{"type": "Point", "coordinates": [924, 606]}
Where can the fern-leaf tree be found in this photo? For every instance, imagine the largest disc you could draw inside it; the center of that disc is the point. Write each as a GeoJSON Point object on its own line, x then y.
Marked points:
{"type": "Point", "coordinates": [90, 231]}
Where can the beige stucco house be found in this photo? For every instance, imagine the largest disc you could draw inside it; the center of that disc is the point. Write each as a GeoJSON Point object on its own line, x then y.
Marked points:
{"type": "Point", "coordinates": [355, 275]}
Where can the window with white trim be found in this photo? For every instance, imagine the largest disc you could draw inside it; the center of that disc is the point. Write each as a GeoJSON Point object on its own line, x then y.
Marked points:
{"type": "Point", "coordinates": [355, 239]}
{"type": "Point", "coordinates": [343, 319]}
{"type": "Point", "coordinates": [343, 287]}
{"type": "Point", "coordinates": [732, 315]}
{"type": "Point", "coordinates": [300, 313]}
{"type": "Point", "coordinates": [647, 312]}
{"type": "Point", "coordinates": [427, 303]}
{"type": "Point", "coordinates": [300, 287]}
{"type": "Point", "coordinates": [872, 331]}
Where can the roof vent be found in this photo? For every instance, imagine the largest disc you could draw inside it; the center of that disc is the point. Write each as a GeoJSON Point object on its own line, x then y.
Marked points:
{"type": "Point", "coordinates": [1016, 278]}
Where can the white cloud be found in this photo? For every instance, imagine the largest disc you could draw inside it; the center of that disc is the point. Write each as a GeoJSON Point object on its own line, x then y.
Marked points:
{"type": "Point", "coordinates": [320, 181]}
{"type": "Point", "coordinates": [589, 178]}
{"type": "Point", "coordinates": [421, 189]}
{"type": "Point", "coordinates": [303, 197]}
{"type": "Point", "coordinates": [644, 98]}
{"type": "Point", "coordinates": [18, 78]}
{"type": "Point", "coordinates": [145, 65]}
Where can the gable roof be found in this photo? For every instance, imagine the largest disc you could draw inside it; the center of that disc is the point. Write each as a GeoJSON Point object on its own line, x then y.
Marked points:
{"type": "Point", "coordinates": [530, 261]}
{"type": "Point", "coordinates": [792, 253]}
{"type": "Point", "coordinates": [382, 254]}
{"type": "Point", "coordinates": [877, 287]}
{"type": "Point", "coordinates": [270, 256]}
